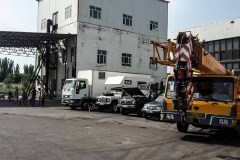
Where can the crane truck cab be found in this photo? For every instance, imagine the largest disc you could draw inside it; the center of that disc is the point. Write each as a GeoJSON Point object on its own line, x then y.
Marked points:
{"type": "Point", "coordinates": [215, 103]}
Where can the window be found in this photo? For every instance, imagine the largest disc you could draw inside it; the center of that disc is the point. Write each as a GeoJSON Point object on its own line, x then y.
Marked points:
{"type": "Point", "coordinates": [235, 54]}
{"type": "Point", "coordinates": [126, 59]}
{"type": "Point", "coordinates": [223, 45]}
{"type": "Point", "coordinates": [216, 46]}
{"type": "Point", "coordinates": [153, 25]}
{"type": "Point", "coordinates": [235, 65]}
{"type": "Point", "coordinates": [127, 20]}
{"type": "Point", "coordinates": [43, 24]}
{"type": "Point", "coordinates": [55, 18]}
{"type": "Point", "coordinates": [101, 57]}
{"type": "Point", "coordinates": [210, 47]}
{"type": "Point", "coordinates": [229, 44]}
{"type": "Point", "coordinates": [229, 66]}
{"type": "Point", "coordinates": [95, 12]}
{"type": "Point", "coordinates": [216, 55]}
{"type": "Point", "coordinates": [68, 12]}
{"type": "Point", "coordinates": [152, 64]}
{"type": "Point", "coordinates": [235, 43]}
{"type": "Point", "coordinates": [101, 75]}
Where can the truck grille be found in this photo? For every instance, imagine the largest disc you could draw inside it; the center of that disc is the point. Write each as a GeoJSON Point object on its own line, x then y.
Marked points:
{"type": "Point", "coordinates": [126, 102]}
{"type": "Point", "coordinates": [102, 100]}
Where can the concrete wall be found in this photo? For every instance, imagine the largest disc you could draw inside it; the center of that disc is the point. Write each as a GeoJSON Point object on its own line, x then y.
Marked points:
{"type": "Point", "coordinates": [46, 8]}
{"type": "Point", "coordinates": [215, 31]}
{"type": "Point", "coordinates": [142, 11]}
{"type": "Point", "coordinates": [92, 38]}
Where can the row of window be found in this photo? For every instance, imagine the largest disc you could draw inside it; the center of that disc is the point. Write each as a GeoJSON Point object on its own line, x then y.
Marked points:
{"type": "Point", "coordinates": [95, 12]}
{"type": "Point", "coordinates": [226, 49]}
{"type": "Point", "coordinates": [126, 59]}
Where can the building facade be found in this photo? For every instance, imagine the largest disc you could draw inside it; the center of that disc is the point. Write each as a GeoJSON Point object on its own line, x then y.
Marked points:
{"type": "Point", "coordinates": [222, 40]}
{"type": "Point", "coordinates": [112, 35]}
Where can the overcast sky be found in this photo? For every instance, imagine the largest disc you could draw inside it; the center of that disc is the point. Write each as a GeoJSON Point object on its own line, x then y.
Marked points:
{"type": "Point", "coordinates": [21, 15]}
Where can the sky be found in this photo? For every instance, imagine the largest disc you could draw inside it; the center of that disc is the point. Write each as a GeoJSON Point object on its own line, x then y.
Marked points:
{"type": "Point", "coordinates": [21, 15]}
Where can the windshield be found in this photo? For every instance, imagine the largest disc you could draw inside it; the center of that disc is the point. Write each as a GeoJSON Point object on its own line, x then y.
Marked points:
{"type": "Point", "coordinates": [207, 88]}
{"type": "Point", "coordinates": [69, 84]}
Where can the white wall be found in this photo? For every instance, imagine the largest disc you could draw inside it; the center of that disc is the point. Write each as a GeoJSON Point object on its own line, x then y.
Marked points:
{"type": "Point", "coordinates": [215, 31]}
{"type": "Point", "coordinates": [142, 11]}
{"type": "Point", "coordinates": [92, 38]}
{"type": "Point", "coordinates": [47, 7]}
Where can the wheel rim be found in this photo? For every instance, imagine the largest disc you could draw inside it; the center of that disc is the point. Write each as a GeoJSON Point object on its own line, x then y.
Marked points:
{"type": "Point", "coordinates": [115, 108]}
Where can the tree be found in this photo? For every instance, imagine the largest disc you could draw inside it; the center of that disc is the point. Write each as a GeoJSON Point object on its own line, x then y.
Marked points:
{"type": "Point", "coordinates": [17, 68]}
{"type": "Point", "coordinates": [9, 79]}
{"type": "Point", "coordinates": [31, 69]}
{"type": "Point", "coordinates": [26, 69]}
{"type": "Point", "coordinates": [17, 78]}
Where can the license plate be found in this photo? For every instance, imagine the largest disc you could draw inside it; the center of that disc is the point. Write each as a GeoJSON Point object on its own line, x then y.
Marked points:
{"type": "Point", "coordinates": [197, 115]}
{"type": "Point", "coordinates": [223, 122]}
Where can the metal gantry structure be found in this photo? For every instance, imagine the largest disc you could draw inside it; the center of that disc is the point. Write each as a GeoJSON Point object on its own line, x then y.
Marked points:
{"type": "Point", "coordinates": [38, 45]}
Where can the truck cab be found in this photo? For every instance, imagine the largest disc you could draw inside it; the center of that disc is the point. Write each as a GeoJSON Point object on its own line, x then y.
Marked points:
{"type": "Point", "coordinates": [74, 92]}
{"type": "Point", "coordinates": [215, 103]}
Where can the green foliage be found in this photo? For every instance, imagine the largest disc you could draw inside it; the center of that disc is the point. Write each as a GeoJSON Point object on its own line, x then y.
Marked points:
{"type": "Point", "coordinates": [17, 68]}
{"type": "Point", "coordinates": [11, 74]}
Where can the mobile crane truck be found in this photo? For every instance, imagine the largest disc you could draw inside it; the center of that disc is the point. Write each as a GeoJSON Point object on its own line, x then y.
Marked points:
{"type": "Point", "coordinates": [201, 92]}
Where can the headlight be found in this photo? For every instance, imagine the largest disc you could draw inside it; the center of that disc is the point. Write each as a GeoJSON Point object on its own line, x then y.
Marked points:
{"type": "Point", "coordinates": [133, 102]}
{"type": "Point", "coordinates": [158, 108]}
{"type": "Point", "coordinates": [97, 99]}
{"type": "Point", "coordinates": [108, 100]}
{"type": "Point", "coordinates": [145, 106]}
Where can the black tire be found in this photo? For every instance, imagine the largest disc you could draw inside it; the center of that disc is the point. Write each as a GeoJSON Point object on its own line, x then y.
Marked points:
{"type": "Point", "coordinates": [139, 113]}
{"type": "Point", "coordinates": [146, 116]}
{"type": "Point", "coordinates": [124, 111]}
{"type": "Point", "coordinates": [182, 127]}
{"type": "Point", "coordinates": [100, 108]}
{"type": "Point", "coordinates": [73, 107]}
{"type": "Point", "coordinates": [114, 108]}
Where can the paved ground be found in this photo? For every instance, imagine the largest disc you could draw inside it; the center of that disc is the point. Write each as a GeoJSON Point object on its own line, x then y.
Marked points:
{"type": "Point", "coordinates": [29, 133]}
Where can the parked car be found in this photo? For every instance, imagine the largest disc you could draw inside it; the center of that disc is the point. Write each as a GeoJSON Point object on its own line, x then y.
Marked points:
{"type": "Point", "coordinates": [2, 96]}
{"type": "Point", "coordinates": [109, 100]}
{"type": "Point", "coordinates": [153, 109]}
{"type": "Point", "coordinates": [133, 102]}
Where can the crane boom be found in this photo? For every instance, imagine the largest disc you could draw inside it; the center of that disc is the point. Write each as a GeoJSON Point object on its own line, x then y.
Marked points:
{"type": "Point", "coordinates": [186, 56]}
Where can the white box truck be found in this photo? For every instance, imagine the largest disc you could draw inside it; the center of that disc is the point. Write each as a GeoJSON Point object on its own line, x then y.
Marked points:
{"type": "Point", "coordinates": [89, 84]}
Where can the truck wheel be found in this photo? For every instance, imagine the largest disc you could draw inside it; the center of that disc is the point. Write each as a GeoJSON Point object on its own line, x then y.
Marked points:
{"type": "Point", "coordinates": [100, 108]}
{"type": "Point", "coordinates": [182, 127]}
{"type": "Point", "coordinates": [146, 116]}
{"type": "Point", "coordinates": [73, 107]}
{"type": "Point", "coordinates": [139, 113]}
{"type": "Point", "coordinates": [114, 108]}
{"type": "Point", "coordinates": [124, 111]}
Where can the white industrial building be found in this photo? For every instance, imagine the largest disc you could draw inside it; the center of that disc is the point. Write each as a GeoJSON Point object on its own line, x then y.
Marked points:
{"type": "Point", "coordinates": [112, 35]}
{"type": "Point", "coordinates": [222, 40]}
